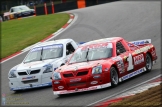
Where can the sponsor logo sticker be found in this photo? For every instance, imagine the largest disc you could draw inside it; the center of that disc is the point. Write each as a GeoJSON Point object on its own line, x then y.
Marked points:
{"type": "Point", "coordinates": [60, 87]}
{"type": "Point", "coordinates": [27, 78]}
{"type": "Point", "coordinates": [138, 59]}
{"type": "Point", "coordinates": [143, 49]}
{"type": "Point", "coordinates": [75, 79]}
{"type": "Point", "coordinates": [94, 82]}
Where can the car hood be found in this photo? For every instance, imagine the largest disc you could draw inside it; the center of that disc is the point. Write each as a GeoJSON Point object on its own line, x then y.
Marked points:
{"type": "Point", "coordinates": [35, 64]}
{"type": "Point", "coordinates": [78, 66]}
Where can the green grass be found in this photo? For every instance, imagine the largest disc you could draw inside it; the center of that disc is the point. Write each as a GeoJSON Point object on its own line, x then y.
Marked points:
{"type": "Point", "coordinates": [18, 34]}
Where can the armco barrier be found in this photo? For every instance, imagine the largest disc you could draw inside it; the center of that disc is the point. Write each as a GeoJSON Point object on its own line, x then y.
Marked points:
{"type": "Point", "coordinates": [57, 8]}
{"type": "Point", "coordinates": [91, 2]}
{"type": "Point", "coordinates": [69, 6]}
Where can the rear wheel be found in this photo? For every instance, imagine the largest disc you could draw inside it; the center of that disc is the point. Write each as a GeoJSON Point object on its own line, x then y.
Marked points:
{"type": "Point", "coordinates": [114, 76]}
{"type": "Point", "coordinates": [148, 63]}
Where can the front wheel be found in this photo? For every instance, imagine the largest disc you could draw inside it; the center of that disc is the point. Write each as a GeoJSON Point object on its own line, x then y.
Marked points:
{"type": "Point", "coordinates": [114, 76]}
{"type": "Point", "coordinates": [148, 63]}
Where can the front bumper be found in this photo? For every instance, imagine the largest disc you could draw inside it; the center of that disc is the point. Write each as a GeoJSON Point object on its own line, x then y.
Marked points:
{"type": "Point", "coordinates": [30, 87]}
{"type": "Point", "coordinates": [82, 89]}
{"type": "Point", "coordinates": [24, 82]}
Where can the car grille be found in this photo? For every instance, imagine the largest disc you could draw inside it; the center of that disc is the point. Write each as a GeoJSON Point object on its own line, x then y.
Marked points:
{"type": "Point", "coordinates": [35, 71]}
{"type": "Point", "coordinates": [82, 73]}
{"type": "Point", "coordinates": [68, 75]}
{"type": "Point", "coordinates": [30, 81]}
{"type": "Point", "coordinates": [32, 72]}
{"type": "Point", "coordinates": [22, 73]}
{"type": "Point", "coordinates": [77, 84]}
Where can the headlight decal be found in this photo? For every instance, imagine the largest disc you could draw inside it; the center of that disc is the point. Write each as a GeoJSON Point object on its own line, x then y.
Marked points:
{"type": "Point", "coordinates": [97, 69]}
{"type": "Point", "coordinates": [48, 68]}
{"type": "Point", "coordinates": [56, 76]}
{"type": "Point", "coordinates": [12, 74]}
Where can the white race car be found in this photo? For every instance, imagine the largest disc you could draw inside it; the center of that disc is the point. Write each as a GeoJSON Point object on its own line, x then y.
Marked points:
{"type": "Point", "coordinates": [36, 69]}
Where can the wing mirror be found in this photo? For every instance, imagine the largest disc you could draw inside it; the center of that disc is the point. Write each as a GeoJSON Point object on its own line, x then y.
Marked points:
{"type": "Point", "coordinates": [118, 52]}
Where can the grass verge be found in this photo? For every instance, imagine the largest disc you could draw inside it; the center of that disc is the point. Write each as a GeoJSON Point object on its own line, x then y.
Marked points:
{"type": "Point", "coordinates": [18, 34]}
{"type": "Point", "coordinates": [150, 98]}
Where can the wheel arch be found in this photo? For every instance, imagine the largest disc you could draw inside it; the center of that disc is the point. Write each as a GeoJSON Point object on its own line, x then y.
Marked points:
{"type": "Point", "coordinates": [115, 68]}
{"type": "Point", "coordinates": [150, 55]}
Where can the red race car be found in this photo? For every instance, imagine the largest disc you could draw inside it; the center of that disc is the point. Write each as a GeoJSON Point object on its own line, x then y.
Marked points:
{"type": "Point", "coordinates": [102, 63]}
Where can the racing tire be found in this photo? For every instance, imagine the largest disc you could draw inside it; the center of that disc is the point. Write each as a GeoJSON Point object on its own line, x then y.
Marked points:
{"type": "Point", "coordinates": [62, 64]}
{"type": "Point", "coordinates": [114, 77]}
{"type": "Point", "coordinates": [148, 63]}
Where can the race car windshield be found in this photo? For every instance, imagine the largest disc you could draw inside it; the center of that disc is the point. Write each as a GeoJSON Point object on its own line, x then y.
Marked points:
{"type": "Point", "coordinates": [24, 8]}
{"type": "Point", "coordinates": [44, 53]}
{"type": "Point", "coordinates": [18, 9]}
{"type": "Point", "coordinates": [94, 53]}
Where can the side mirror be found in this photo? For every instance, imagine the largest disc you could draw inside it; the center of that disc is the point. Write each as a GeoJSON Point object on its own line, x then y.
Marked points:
{"type": "Point", "coordinates": [67, 52]}
{"type": "Point", "coordinates": [118, 52]}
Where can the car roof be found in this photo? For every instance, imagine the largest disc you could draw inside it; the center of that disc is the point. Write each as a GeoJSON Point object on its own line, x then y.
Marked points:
{"type": "Point", "coordinates": [60, 41]}
{"type": "Point", "coordinates": [20, 6]}
{"type": "Point", "coordinates": [111, 39]}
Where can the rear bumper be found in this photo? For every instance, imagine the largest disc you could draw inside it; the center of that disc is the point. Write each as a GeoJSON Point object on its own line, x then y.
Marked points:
{"type": "Point", "coordinates": [82, 89]}
{"type": "Point", "coordinates": [33, 86]}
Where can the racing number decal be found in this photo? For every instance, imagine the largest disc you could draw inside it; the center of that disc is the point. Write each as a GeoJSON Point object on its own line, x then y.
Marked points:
{"type": "Point", "coordinates": [130, 62]}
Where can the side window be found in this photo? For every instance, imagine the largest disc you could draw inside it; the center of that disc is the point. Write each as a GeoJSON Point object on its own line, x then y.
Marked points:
{"type": "Point", "coordinates": [69, 49]}
{"type": "Point", "coordinates": [11, 10]}
{"type": "Point", "coordinates": [120, 48]}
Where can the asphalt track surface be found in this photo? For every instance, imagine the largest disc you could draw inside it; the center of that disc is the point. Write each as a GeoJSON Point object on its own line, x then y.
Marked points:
{"type": "Point", "coordinates": [132, 20]}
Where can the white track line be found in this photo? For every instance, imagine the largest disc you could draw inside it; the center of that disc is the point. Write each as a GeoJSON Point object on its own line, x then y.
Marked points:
{"type": "Point", "coordinates": [122, 91]}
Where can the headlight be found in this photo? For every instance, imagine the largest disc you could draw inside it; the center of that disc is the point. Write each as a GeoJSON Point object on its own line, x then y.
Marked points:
{"type": "Point", "coordinates": [97, 69]}
{"type": "Point", "coordinates": [56, 76]}
{"type": "Point", "coordinates": [11, 74]}
{"type": "Point", "coordinates": [48, 68]}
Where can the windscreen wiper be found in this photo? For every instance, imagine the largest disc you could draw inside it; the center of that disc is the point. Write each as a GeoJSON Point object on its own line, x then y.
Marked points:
{"type": "Point", "coordinates": [41, 54]}
{"type": "Point", "coordinates": [87, 54]}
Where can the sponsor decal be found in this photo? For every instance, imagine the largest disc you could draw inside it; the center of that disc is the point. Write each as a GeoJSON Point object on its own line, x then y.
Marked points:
{"type": "Point", "coordinates": [75, 80]}
{"type": "Point", "coordinates": [141, 42]}
{"type": "Point", "coordinates": [143, 49]}
{"type": "Point", "coordinates": [56, 82]}
{"type": "Point", "coordinates": [94, 82]}
{"type": "Point", "coordinates": [83, 89]}
{"type": "Point", "coordinates": [132, 74]}
{"type": "Point", "coordinates": [53, 46]}
{"type": "Point", "coordinates": [36, 49]}
{"type": "Point", "coordinates": [138, 59]}
{"type": "Point", "coordinates": [27, 78]}
{"type": "Point", "coordinates": [120, 64]}
{"type": "Point", "coordinates": [47, 47]}
{"type": "Point", "coordinates": [116, 58]}
{"type": "Point", "coordinates": [96, 76]}
{"type": "Point", "coordinates": [60, 87]}
{"type": "Point", "coordinates": [138, 42]}
{"type": "Point", "coordinates": [96, 46]}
